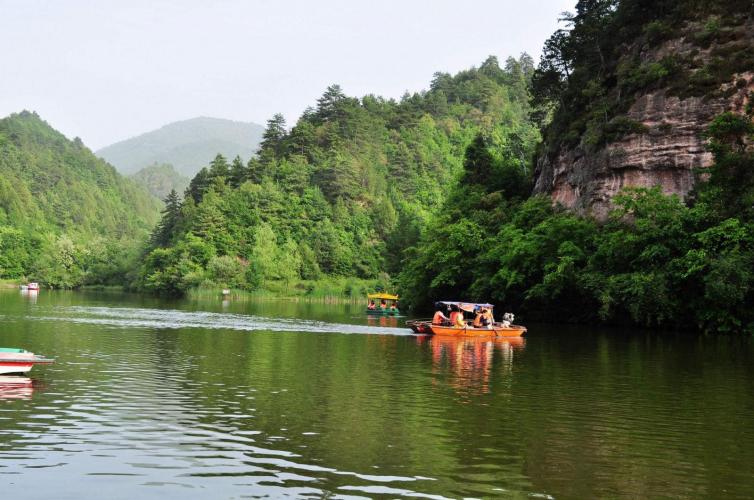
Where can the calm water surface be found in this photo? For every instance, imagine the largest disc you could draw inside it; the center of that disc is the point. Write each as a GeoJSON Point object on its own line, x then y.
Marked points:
{"type": "Point", "coordinates": [182, 399]}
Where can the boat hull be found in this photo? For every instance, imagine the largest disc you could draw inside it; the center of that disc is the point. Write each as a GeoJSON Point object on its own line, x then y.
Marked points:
{"type": "Point", "coordinates": [15, 367]}
{"type": "Point", "coordinates": [20, 362]}
{"type": "Point", "coordinates": [383, 312]}
{"type": "Point", "coordinates": [420, 326]}
{"type": "Point", "coordinates": [468, 331]}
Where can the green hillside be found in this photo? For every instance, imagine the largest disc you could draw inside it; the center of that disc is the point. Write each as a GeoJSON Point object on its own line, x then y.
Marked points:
{"type": "Point", "coordinates": [345, 191]}
{"type": "Point", "coordinates": [160, 179]}
{"type": "Point", "coordinates": [656, 261]}
{"type": "Point", "coordinates": [66, 217]}
{"type": "Point", "coordinates": [187, 145]}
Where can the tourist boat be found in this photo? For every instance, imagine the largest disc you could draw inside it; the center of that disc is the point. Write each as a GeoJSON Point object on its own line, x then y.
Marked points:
{"type": "Point", "coordinates": [32, 286]}
{"type": "Point", "coordinates": [19, 360]}
{"type": "Point", "coordinates": [497, 329]}
{"type": "Point", "coordinates": [391, 304]}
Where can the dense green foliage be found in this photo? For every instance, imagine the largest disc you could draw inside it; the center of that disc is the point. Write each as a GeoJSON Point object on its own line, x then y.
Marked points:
{"type": "Point", "coordinates": [160, 179]}
{"type": "Point", "coordinates": [345, 191]}
{"type": "Point", "coordinates": [435, 190]}
{"type": "Point", "coordinates": [187, 145]}
{"type": "Point", "coordinates": [66, 217]}
{"type": "Point", "coordinates": [655, 262]}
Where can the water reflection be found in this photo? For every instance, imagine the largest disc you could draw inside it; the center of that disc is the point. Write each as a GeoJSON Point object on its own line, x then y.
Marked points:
{"type": "Point", "coordinates": [175, 399]}
{"type": "Point", "coordinates": [14, 387]}
{"type": "Point", "coordinates": [31, 295]}
{"type": "Point", "coordinates": [383, 321]}
{"type": "Point", "coordinates": [471, 360]}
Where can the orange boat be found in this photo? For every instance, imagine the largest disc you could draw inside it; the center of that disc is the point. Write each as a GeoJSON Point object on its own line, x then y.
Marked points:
{"type": "Point", "coordinates": [496, 330]}
{"type": "Point", "coordinates": [502, 329]}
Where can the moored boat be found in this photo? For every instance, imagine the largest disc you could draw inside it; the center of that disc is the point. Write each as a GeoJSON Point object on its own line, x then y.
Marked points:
{"type": "Point", "coordinates": [14, 360]}
{"type": "Point", "coordinates": [32, 286]}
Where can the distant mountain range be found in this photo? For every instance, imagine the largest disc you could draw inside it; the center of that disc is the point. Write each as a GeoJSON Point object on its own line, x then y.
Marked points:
{"type": "Point", "coordinates": [188, 145]}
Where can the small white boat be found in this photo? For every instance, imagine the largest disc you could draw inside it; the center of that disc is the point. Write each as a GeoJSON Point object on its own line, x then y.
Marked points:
{"type": "Point", "coordinates": [32, 286]}
{"type": "Point", "coordinates": [23, 287]}
{"type": "Point", "coordinates": [14, 360]}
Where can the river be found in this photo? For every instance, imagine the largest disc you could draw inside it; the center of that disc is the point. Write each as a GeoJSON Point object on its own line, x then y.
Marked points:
{"type": "Point", "coordinates": [153, 398]}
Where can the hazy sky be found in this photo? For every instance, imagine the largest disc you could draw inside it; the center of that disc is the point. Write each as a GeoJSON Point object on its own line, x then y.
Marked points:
{"type": "Point", "coordinates": [105, 70]}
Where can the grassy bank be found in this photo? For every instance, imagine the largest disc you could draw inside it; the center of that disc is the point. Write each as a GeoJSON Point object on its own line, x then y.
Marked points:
{"type": "Point", "coordinates": [9, 283]}
{"type": "Point", "coordinates": [331, 290]}
{"type": "Point", "coordinates": [103, 288]}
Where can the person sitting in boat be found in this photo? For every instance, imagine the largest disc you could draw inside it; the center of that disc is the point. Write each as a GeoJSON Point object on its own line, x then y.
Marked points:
{"type": "Point", "coordinates": [479, 319]}
{"type": "Point", "coordinates": [383, 304]}
{"type": "Point", "coordinates": [456, 317]}
{"type": "Point", "coordinates": [439, 318]}
{"type": "Point", "coordinates": [393, 308]}
{"type": "Point", "coordinates": [489, 318]}
{"type": "Point", "coordinates": [482, 318]}
{"type": "Point", "coordinates": [372, 306]}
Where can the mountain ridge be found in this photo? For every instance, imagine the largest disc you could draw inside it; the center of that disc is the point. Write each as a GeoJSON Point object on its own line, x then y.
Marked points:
{"type": "Point", "coordinates": [67, 218]}
{"type": "Point", "coordinates": [188, 145]}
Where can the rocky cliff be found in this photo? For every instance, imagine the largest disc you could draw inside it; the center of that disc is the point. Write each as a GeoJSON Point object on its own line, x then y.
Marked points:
{"type": "Point", "coordinates": [668, 92]}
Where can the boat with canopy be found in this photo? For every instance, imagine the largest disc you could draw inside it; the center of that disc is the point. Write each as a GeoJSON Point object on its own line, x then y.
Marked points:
{"type": "Point", "coordinates": [388, 304]}
{"type": "Point", "coordinates": [504, 328]}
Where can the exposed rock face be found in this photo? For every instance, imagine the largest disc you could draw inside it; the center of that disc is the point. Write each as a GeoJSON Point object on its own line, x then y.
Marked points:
{"type": "Point", "coordinates": [585, 178]}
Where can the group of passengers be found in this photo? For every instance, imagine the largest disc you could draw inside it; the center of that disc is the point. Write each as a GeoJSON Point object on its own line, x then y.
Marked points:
{"type": "Point", "coordinates": [482, 319]}
{"type": "Point", "coordinates": [383, 306]}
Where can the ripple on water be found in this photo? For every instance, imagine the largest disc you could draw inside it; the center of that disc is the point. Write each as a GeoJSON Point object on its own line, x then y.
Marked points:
{"type": "Point", "coordinates": [166, 403]}
{"type": "Point", "coordinates": [125, 317]}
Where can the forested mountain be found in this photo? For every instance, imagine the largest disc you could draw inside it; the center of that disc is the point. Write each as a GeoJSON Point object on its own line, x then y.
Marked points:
{"type": "Point", "coordinates": [160, 179]}
{"type": "Point", "coordinates": [652, 259]}
{"type": "Point", "coordinates": [66, 217]}
{"type": "Point", "coordinates": [346, 190]}
{"type": "Point", "coordinates": [188, 145]}
{"type": "Point", "coordinates": [436, 190]}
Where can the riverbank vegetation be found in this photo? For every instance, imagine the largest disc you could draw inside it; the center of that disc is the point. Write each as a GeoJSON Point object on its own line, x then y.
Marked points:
{"type": "Point", "coordinates": [655, 262]}
{"type": "Point", "coordinates": [331, 289]}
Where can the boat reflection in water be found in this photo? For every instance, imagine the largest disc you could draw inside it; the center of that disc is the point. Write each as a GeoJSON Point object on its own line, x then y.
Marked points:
{"type": "Point", "coordinates": [16, 387]}
{"type": "Point", "coordinates": [386, 321]}
{"type": "Point", "coordinates": [470, 360]}
{"type": "Point", "coordinates": [30, 294]}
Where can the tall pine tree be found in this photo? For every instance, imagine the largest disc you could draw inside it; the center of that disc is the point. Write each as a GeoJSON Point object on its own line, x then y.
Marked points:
{"type": "Point", "coordinates": [237, 172]}
{"type": "Point", "coordinates": [171, 215]}
{"type": "Point", "coordinates": [272, 140]}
